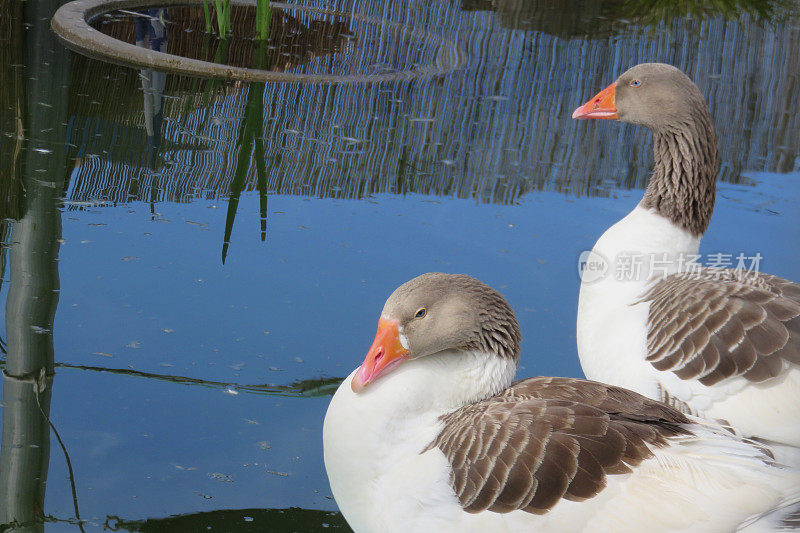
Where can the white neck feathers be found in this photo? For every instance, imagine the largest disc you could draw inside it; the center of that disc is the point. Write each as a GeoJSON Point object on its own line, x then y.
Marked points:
{"type": "Point", "coordinates": [644, 231]}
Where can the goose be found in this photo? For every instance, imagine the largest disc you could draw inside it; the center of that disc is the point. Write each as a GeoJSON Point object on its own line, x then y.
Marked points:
{"type": "Point", "coordinates": [430, 433]}
{"type": "Point", "coordinates": [715, 342]}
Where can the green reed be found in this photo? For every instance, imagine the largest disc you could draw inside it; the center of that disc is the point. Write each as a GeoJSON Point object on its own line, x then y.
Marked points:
{"type": "Point", "coordinates": [222, 9]}
{"type": "Point", "coordinates": [263, 18]}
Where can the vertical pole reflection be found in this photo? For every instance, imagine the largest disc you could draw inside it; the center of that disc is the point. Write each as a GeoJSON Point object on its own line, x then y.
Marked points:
{"type": "Point", "coordinates": [34, 282]}
{"type": "Point", "coordinates": [151, 33]}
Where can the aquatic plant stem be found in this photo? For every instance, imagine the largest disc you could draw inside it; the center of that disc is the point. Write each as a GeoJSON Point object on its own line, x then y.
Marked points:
{"type": "Point", "coordinates": [263, 18]}
{"type": "Point", "coordinates": [223, 17]}
{"type": "Point", "coordinates": [207, 13]}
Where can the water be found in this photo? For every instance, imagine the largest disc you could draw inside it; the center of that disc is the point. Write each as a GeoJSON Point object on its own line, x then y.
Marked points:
{"type": "Point", "coordinates": [190, 393]}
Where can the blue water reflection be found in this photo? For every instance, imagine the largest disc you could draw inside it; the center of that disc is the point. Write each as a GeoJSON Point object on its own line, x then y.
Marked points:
{"type": "Point", "coordinates": [151, 295]}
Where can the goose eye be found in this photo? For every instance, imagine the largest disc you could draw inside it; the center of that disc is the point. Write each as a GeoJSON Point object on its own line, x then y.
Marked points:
{"type": "Point", "coordinates": [421, 312]}
{"type": "Point", "coordinates": [635, 83]}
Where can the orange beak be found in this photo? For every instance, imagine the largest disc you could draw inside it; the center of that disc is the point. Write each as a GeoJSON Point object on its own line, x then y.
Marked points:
{"type": "Point", "coordinates": [601, 106]}
{"type": "Point", "coordinates": [385, 353]}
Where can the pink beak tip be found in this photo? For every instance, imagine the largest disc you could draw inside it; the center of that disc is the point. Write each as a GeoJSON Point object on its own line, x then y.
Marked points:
{"type": "Point", "coordinates": [358, 382]}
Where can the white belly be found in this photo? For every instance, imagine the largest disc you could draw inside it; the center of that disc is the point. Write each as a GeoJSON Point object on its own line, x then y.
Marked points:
{"type": "Point", "coordinates": [611, 330]}
{"type": "Point", "coordinates": [769, 409]}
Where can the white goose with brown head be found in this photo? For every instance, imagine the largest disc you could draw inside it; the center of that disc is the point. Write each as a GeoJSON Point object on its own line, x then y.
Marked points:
{"type": "Point", "coordinates": [715, 342]}
{"type": "Point", "coordinates": [431, 434]}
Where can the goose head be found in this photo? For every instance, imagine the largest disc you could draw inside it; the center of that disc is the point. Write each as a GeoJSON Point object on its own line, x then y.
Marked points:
{"type": "Point", "coordinates": [655, 95]}
{"type": "Point", "coordinates": [435, 315]}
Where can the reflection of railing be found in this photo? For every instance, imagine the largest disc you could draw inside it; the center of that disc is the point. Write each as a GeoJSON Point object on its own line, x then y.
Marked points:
{"type": "Point", "coordinates": [491, 133]}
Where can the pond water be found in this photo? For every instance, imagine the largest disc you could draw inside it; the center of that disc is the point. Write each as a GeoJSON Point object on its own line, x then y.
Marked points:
{"type": "Point", "coordinates": [198, 262]}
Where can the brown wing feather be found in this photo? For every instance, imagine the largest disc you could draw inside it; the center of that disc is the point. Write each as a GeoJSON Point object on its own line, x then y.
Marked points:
{"type": "Point", "coordinates": [545, 439]}
{"type": "Point", "coordinates": [721, 323]}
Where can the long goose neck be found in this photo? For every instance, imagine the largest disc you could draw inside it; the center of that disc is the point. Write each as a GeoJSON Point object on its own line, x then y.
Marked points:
{"type": "Point", "coordinates": [683, 184]}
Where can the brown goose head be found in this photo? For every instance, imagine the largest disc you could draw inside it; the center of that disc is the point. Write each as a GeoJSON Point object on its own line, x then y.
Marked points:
{"type": "Point", "coordinates": [655, 95]}
{"type": "Point", "coordinates": [437, 312]}
{"type": "Point", "coordinates": [686, 160]}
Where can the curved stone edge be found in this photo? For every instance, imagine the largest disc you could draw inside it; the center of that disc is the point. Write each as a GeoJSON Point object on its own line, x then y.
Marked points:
{"type": "Point", "coordinates": [71, 25]}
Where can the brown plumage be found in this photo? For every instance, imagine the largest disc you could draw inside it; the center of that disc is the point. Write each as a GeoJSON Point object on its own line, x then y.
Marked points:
{"type": "Point", "coordinates": [682, 186]}
{"type": "Point", "coordinates": [544, 439]}
{"type": "Point", "coordinates": [720, 323]}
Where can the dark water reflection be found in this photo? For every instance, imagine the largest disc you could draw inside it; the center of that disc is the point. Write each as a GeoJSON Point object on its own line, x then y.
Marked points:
{"type": "Point", "coordinates": [190, 394]}
{"type": "Point", "coordinates": [602, 18]}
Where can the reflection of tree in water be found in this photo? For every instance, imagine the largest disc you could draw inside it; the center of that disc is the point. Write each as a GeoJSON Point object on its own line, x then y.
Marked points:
{"type": "Point", "coordinates": [495, 131]}
{"type": "Point", "coordinates": [12, 199]}
{"type": "Point", "coordinates": [601, 18]}
{"type": "Point", "coordinates": [33, 162]}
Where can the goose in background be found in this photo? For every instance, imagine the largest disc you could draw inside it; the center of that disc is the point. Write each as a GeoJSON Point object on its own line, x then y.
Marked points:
{"type": "Point", "coordinates": [720, 343]}
{"type": "Point", "coordinates": [430, 433]}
